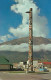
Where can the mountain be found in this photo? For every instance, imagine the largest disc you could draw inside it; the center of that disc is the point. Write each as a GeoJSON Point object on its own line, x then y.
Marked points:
{"type": "Point", "coordinates": [15, 56]}
{"type": "Point", "coordinates": [36, 41]}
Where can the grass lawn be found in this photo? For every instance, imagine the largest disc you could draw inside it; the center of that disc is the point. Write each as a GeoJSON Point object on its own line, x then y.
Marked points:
{"type": "Point", "coordinates": [16, 71]}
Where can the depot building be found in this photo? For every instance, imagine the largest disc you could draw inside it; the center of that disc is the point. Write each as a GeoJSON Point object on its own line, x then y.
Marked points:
{"type": "Point", "coordinates": [5, 64]}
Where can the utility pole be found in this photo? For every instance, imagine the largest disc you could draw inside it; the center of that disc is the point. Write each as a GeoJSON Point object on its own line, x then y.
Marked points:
{"type": "Point", "coordinates": [30, 54]}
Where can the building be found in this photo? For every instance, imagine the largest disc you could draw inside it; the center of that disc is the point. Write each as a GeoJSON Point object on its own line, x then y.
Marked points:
{"type": "Point", "coordinates": [35, 64]}
{"type": "Point", "coordinates": [5, 65]}
{"type": "Point", "coordinates": [47, 64]}
{"type": "Point", "coordinates": [15, 65]}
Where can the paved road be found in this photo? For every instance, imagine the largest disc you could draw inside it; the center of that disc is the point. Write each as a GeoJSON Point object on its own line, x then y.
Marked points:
{"type": "Point", "coordinates": [23, 76]}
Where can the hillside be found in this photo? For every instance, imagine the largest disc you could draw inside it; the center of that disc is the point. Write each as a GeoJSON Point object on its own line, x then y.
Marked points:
{"type": "Point", "coordinates": [15, 56]}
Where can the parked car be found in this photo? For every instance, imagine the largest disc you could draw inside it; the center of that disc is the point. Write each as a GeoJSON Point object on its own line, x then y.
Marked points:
{"type": "Point", "coordinates": [46, 70]}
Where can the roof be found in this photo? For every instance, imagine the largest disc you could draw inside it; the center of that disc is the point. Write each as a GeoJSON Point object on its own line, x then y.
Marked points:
{"type": "Point", "coordinates": [3, 60]}
{"type": "Point", "coordinates": [46, 62]}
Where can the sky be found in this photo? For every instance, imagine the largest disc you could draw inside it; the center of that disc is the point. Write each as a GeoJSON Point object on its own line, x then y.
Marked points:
{"type": "Point", "coordinates": [14, 21]}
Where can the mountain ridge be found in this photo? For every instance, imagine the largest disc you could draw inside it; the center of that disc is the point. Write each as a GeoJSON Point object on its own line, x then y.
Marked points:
{"type": "Point", "coordinates": [36, 41]}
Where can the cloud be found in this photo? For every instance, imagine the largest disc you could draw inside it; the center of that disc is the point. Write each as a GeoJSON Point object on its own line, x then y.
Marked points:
{"type": "Point", "coordinates": [19, 1]}
{"type": "Point", "coordinates": [9, 36]}
{"type": "Point", "coordinates": [5, 38]}
{"type": "Point", "coordinates": [39, 22]}
{"type": "Point", "coordinates": [20, 48]}
{"type": "Point", "coordinates": [20, 32]}
{"type": "Point", "coordinates": [43, 47]}
{"type": "Point", "coordinates": [24, 47]}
